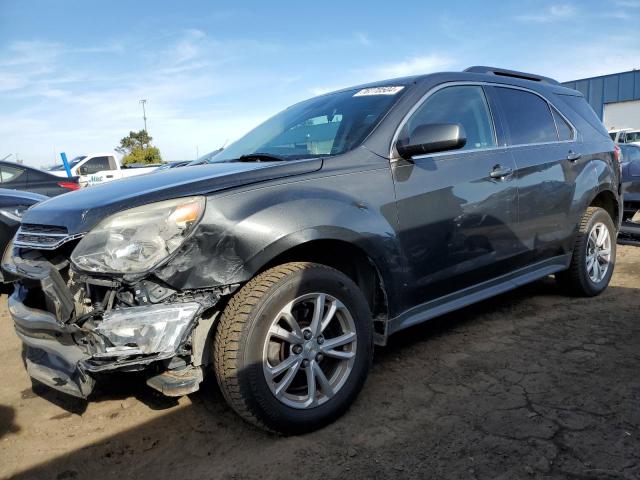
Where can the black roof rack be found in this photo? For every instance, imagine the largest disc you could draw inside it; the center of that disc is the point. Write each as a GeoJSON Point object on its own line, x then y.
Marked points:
{"type": "Point", "coordinates": [513, 74]}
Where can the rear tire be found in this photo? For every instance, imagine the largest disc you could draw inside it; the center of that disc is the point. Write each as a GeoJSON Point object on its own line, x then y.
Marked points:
{"type": "Point", "coordinates": [284, 368]}
{"type": "Point", "coordinates": [593, 256]}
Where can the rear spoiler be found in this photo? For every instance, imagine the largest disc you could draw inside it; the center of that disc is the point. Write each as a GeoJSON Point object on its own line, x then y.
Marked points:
{"type": "Point", "coordinates": [513, 74]}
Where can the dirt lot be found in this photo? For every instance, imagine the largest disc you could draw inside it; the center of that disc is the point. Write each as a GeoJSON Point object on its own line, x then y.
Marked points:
{"type": "Point", "coordinates": [527, 385]}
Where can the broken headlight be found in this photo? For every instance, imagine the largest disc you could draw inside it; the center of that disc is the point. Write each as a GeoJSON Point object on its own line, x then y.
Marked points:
{"type": "Point", "coordinates": [145, 330]}
{"type": "Point", "coordinates": [136, 240]}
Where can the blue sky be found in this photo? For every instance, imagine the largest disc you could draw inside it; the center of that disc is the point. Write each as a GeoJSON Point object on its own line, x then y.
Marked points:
{"type": "Point", "coordinates": [72, 72]}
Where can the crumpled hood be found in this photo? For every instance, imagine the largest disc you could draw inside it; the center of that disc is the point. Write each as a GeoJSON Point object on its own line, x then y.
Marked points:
{"type": "Point", "coordinates": [81, 210]}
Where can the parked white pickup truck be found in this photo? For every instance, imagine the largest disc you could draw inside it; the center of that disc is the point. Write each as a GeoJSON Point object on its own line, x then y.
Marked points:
{"type": "Point", "coordinates": [625, 135]}
{"type": "Point", "coordinates": [99, 168]}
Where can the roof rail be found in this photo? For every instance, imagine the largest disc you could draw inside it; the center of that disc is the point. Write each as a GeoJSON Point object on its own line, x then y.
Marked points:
{"type": "Point", "coordinates": [513, 74]}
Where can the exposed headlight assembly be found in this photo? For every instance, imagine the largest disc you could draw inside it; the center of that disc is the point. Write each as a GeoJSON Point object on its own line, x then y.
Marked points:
{"type": "Point", "coordinates": [136, 240]}
{"type": "Point", "coordinates": [145, 330]}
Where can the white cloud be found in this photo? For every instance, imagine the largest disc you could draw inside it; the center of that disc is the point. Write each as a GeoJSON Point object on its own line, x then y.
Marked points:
{"type": "Point", "coordinates": [47, 105]}
{"type": "Point", "coordinates": [417, 65]}
{"type": "Point", "coordinates": [553, 13]}
{"type": "Point", "coordinates": [315, 91]}
{"type": "Point", "coordinates": [576, 61]}
{"type": "Point", "coordinates": [413, 66]}
{"type": "Point", "coordinates": [187, 48]}
{"type": "Point", "coordinates": [363, 39]}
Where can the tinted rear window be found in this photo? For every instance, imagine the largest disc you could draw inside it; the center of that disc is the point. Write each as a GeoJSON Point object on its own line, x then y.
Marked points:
{"type": "Point", "coordinates": [528, 117]}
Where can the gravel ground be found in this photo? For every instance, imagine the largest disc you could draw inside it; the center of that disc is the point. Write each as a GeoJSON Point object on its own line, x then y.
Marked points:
{"type": "Point", "coordinates": [530, 384]}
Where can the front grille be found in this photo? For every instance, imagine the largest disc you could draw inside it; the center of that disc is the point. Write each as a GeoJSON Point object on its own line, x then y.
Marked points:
{"type": "Point", "coordinates": [31, 228]}
{"type": "Point", "coordinates": [42, 237]}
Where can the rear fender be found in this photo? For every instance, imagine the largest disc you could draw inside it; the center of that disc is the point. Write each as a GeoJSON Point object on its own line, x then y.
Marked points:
{"type": "Point", "coordinates": [596, 177]}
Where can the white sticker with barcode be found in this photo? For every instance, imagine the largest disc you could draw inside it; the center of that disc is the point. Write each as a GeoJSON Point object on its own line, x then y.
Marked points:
{"type": "Point", "coordinates": [377, 91]}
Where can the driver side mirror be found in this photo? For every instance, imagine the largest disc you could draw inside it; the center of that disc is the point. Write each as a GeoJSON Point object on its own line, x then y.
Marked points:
{"type": "Point", "coordinates": [431, 138]}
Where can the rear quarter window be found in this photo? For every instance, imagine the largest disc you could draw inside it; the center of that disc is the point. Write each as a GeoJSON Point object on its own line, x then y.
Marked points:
{"type": "Point", "coordinates": [564, 129]}
{"type": "Point", "coordinates": [582, 108]}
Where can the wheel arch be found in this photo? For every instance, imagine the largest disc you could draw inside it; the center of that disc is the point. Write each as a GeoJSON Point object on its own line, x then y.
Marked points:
{"type": "Point", "coordinates": [608, 201]}
{"type": "Point", "coordinates": [346, 255]}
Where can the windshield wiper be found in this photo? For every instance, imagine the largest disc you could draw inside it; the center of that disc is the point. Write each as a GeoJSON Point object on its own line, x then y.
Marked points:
{"type": "Point", "coordinates": [259, 157]}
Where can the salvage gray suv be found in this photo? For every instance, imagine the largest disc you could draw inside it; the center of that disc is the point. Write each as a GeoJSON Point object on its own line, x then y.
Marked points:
{"type": "Point", "coordinates": [334, 224]}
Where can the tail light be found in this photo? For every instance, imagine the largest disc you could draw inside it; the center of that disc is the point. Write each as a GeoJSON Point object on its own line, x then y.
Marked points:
{"type": "Point", "coordinates": [617, 154]}
{"type": "Point", "coordinates": [69, 185]}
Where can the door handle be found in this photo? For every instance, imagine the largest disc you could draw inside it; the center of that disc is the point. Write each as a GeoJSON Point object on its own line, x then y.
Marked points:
{"type": "Point", "coordinates": [573, 156]}
{"type": "Point", "coordinates": [500, 173]}
{"type": "Point", "coordinates": [109, 176]}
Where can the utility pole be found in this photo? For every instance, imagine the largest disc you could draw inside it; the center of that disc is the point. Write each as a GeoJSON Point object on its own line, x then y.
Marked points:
{"type": "Point", "coordinates": [144, 113]}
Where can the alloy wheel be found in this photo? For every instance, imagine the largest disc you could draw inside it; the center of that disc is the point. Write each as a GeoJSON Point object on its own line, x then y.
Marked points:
{"type": "Point", "coordinates": [598, 258]}
{"type": "Point", "coordinates": [309, 350]}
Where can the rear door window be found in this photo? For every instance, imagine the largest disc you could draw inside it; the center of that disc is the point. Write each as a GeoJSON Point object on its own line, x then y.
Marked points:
{"type": "Point", "coordinates": [465, 105]}
{"type": "Point", "coordinates": [528, 117]}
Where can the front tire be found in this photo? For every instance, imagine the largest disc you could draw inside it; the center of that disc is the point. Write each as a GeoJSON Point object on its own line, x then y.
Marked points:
{"type": "Point", "coordinates": [293, 347]}
{"type": "Point", "coordinates": [594, 255]}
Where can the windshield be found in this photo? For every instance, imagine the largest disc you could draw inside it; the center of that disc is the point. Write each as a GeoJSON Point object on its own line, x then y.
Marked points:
{"type": "Point", "coordinates": [207, 158]}
{"type": "Point", "coordinates": [327, 125]}
{"type": "Point", "coordinates": [72, 163]}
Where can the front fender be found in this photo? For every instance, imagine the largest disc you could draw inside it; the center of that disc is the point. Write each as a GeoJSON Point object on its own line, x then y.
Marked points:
{"type": "Point", "coordinates": [242, 232]}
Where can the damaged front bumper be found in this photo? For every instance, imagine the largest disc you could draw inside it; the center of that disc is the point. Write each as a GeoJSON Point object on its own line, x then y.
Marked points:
{"type": "Point", "coordinates": [53, 357]}
{"type": "Point", "coordinates": [69, 344]}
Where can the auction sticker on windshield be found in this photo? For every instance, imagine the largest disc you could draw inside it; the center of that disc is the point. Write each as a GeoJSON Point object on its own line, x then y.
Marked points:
{"type": "Point", "coordinates": [378, 91]}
